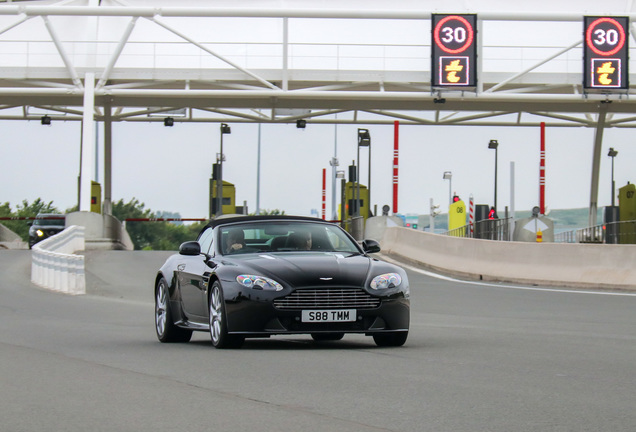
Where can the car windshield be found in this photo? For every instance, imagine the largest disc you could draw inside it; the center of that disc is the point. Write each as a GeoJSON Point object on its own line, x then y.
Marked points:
{"type": "Point", "coordinates": [49, 221]}
{"type": "Point", "coordinates": [284, 236]}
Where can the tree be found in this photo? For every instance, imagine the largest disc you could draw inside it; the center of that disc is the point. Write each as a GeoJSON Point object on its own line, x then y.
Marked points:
{"type": "Point", "coordinates": [153, 235]}
{"type": "Point", "coordinates": [21, 227]}
{"type": "Point", "coordinates": [144, 235]}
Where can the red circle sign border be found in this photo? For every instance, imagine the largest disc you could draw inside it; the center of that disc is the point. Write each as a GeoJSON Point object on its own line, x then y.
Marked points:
{"type": "Point", "coordinates": [464, 21]}
{"type": "Point", "coordinates": [588, 36]}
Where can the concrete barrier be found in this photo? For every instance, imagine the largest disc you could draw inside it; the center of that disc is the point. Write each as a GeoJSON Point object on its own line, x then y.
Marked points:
{"type": "Point", "coordinates": [375, 226]}
{"type": "Point", "coordinates": [55, 267]}
{"type": "Point", "coordinates": [10, 240]}
{"type": "Point", "coordinates": [560, 264]}
{"type": "Point", "coordinates": [103, 232]}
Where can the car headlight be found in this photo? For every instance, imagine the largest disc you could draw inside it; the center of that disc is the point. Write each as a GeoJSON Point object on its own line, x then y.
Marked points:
{"type": "Point", "coordinates": [39, 233]}
{"type": "Point", "coordinates": [259, 282]}
{"type": "Point", "coordinates": [387, 280]}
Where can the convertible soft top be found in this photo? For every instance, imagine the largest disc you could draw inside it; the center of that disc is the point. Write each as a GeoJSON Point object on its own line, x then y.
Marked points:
{"type": "Point", "coordinates": [228, 219]}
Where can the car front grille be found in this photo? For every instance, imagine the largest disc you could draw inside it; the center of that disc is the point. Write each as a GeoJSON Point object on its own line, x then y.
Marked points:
{"type": "Point", "coordinates": [328, 298]}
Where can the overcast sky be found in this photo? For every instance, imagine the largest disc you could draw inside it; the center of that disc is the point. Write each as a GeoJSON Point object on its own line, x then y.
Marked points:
{"type": "Point", "coordinates": [168, 169]}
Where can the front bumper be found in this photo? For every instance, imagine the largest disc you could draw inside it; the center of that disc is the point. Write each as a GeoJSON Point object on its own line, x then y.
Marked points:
{"type": "Point", "coordinates": [261, 318]}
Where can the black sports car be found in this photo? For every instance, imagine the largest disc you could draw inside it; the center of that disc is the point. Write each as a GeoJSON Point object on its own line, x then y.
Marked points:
{"type": "Point", "coordinates": [258, 276]}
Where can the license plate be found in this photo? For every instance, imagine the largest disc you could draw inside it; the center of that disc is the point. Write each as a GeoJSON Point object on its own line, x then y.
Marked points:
{"type": "Point", "coordinates": [331, 315]}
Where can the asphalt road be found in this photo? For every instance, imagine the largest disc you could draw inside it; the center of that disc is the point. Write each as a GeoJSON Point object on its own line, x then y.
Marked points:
{"type": "Point", "coordinates": [478, 358]}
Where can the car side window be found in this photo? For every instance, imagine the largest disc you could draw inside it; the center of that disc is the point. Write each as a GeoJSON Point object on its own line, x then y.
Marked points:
{"type": "Point", "coordinates": [205, 240]}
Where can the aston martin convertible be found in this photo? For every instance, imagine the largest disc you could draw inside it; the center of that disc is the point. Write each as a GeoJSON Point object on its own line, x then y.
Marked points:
{"type": "Point", "coordinates": [260, 276]}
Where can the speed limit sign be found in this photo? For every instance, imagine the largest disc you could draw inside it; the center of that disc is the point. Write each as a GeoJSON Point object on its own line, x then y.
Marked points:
{"type": "Point", "coordinates": [606, 45]}
{"type": "Point", "coordinates": [454, 42]}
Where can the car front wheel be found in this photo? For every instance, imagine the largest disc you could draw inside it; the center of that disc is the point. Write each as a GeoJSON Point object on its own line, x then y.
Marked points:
{"type": "Point", "coordinates": [393, 339]}
{"type": "Point", "coordinates": [167, 331]}
{"type": "Point", "coordinates": [218, 321]}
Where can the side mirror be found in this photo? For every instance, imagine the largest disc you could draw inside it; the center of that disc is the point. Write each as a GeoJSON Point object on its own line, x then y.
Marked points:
{"type": "Point", "coordinates": [370, 246]}
{"type": "Point", "coordinates": [190, 248]}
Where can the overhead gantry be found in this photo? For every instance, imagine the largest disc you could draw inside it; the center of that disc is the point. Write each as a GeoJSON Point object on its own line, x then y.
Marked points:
{"type": "Point", "coordinates": [109, 62]}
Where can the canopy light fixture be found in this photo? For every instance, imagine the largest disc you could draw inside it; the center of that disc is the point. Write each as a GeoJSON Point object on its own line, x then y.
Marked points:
{"type": "Point", "coordinates": [364, 138]}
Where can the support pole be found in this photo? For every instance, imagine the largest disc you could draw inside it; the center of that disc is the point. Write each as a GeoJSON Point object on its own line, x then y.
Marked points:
{"type": "Point", "coordinates": [219, 180]}
{"type": "Point", "coordinates": [324, 193]}
{"type": "Point", "coordinates": [108, 159]}
{"type": "Point", "coordinates": [542, 171]}
{"type": "Point", "coordinates": [596, 164]}
{"type": "Point", "coordinates": [512, 200]}
{"type": "Point", "coordinates": [258, 173]}
{"type": "Point", "coordinates": [88, 142]}
{"type": "Point", "coordinates": [334, 173]}
{"type": "Point", "coordinates": [396, 148]}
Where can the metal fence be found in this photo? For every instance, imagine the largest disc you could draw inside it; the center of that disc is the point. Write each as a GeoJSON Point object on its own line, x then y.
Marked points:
{"type": "Point", "coordinates": [489, 229]}
{"type": "Point", "coordinates": [610, 233]}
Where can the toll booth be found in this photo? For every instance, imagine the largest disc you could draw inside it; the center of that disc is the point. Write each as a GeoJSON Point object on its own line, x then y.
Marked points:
{"type": "Point", "coordinates": [482, 229]}
{"type": "Point", "coordinates": [96, 197]}
{"type": "Point", "coordinates": [611, 222]}
{"type": "Point", "coordinates": [355, 206]}
{"type": "Point", "coordinates": [457, 219]}
{"type": "Point", "coordinates": [229, 198]}
{"type": "Point", "coordinates": [627, 213]}
{"type": "Point", "coordinates": [351, 193]}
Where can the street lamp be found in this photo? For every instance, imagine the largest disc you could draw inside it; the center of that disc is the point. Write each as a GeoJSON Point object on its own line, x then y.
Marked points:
{"type": "Point", "coordinates": [493, 144]}
{"type": "Point", "coordinates": [449, 176]}
{"type": "Point", "coordinates": [612, 153]}
{"type": "Point", "coordinates": [225, 129]}
{"type": "Point", "coordinates": [364, 140]}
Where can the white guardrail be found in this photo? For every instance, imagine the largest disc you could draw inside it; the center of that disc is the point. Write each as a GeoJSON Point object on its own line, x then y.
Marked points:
{"type": "Point", "coordinates": [55, 267]}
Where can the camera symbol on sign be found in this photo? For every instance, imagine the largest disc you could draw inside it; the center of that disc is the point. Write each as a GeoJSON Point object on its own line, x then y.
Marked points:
{"type": "Point", "coordinates": [454, 70]}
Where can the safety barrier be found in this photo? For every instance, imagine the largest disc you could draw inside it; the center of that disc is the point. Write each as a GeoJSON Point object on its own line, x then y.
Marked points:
{"type": "Point", "coordinates": [55, 267]}
{"type": "Point", "coordinates": [554, 264]}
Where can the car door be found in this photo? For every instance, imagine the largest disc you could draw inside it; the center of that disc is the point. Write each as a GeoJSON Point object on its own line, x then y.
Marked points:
{"type": "Point", "coordinates": [193, 274]}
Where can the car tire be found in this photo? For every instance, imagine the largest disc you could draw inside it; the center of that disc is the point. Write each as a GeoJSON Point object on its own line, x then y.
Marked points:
{"type": "Point", "coordinates": [218, 320]}
{"type": "Point", "coordinates": [166, 330]}
{"type": "Point", "coordinates": [392, 339]}
{"type": "Point", "coordinates": [321, 337]}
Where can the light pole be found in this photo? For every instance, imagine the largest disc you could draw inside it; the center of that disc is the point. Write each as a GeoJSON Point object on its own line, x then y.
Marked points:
{"type": "Point", "coordinates": [612, 153]}
{"type": "Point", "coordinates": [449, 176]}
{"type": "Point", "coordinates": [364, 140]}
{"type": "Point", "coordinates": [493, 144]}
{"type": "Point", "coordinates": [225, 129]}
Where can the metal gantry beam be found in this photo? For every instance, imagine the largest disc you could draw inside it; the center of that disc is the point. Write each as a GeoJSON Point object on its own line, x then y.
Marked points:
{"type": "Point", "coordinates": [241, 88]}
{"type": "Point", "coordinates": [113, 91]}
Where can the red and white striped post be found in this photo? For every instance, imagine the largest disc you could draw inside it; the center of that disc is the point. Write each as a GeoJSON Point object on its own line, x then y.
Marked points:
{"type": "Point", "coordinates": [542, 172]}
{"type": "Point", "coordinates": [471, 214]}
{"type": "Point", "coordinates": [396, 148]}
{"type": "Point", "coordinates": [324, 193]}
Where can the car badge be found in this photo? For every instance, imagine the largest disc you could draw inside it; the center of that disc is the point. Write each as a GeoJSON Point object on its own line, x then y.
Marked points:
{"type": "Point", "coordinates": [326, 278]}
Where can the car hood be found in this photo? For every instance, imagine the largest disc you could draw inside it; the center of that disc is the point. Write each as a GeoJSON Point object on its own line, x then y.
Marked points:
{"type": "Point", "coordinates": [309, 268]}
